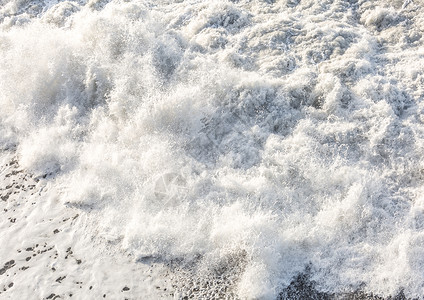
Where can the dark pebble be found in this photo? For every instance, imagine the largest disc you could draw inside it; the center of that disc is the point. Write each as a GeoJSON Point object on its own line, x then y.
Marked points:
{"type": "Point", "coordinates": [9, 264]}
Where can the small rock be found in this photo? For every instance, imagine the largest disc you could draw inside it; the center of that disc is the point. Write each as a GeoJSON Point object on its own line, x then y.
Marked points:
{"type": "Point", "coordinates": [9, 264]}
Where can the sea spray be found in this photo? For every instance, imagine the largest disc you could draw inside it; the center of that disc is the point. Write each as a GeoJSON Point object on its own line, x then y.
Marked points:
{"type": "Point", "coordinates": [254, 139]}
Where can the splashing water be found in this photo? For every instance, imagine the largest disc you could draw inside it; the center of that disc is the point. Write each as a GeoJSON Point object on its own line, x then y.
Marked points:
{"type": "Point", "coordinates": [247, 140]}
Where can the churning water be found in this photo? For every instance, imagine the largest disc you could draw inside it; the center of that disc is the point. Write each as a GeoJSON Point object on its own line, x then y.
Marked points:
{"type": "Point", "coordinates": [250, 138]}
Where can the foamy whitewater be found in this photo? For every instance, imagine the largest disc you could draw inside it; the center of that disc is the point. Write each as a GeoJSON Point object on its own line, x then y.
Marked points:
{"type": "Point", "coordinates": [236, 144]}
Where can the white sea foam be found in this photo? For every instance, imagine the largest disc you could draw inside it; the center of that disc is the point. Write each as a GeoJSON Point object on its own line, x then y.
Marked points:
{"type": "Point", "coordinates": [277, 135]}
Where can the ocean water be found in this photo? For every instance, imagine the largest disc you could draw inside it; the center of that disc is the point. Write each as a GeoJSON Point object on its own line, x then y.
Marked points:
{"type": "Point", "coordinates": [244, 141]}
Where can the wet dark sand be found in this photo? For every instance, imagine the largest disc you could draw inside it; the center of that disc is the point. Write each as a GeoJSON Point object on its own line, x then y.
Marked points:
{"type": "Point", "coordinates": [303, 288]}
